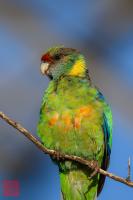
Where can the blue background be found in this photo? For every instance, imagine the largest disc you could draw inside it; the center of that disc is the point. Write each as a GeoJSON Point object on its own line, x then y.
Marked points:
{"type": "Point", "coordinates": [103, 31]}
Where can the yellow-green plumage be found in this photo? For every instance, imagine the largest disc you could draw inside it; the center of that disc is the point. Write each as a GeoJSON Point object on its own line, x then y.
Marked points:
{"type": "Point", "coordinates": [76, 120]}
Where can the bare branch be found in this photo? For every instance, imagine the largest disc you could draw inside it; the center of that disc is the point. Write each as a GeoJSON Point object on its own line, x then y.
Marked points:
{"type": "Point", "coordinates": [90, 164]}
{"type": "Point", "coordinates": [129, 170]}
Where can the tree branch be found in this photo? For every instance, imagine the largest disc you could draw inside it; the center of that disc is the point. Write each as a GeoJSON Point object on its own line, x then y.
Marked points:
{"type": "Point", "coordinates": [90, 164]}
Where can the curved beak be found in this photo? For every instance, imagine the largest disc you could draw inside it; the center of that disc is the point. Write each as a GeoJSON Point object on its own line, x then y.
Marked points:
{"type": "Point", "coordinates": [44, 67]}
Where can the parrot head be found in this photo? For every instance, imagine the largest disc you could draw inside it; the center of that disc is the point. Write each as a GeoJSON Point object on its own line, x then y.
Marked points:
{"type": "Point", "coordinates": [60, 61]}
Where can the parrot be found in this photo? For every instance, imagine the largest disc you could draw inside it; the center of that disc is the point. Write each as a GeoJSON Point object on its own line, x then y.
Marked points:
{"type": "Point", "coordinates": [75, 119]}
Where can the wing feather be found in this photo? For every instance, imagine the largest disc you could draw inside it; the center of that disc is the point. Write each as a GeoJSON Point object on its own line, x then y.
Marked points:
{"type": "Point", "coordinates": [107, 130]}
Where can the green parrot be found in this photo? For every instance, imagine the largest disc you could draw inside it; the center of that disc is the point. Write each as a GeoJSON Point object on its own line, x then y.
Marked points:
{"type": "Point", "coordinates": [75, 120]}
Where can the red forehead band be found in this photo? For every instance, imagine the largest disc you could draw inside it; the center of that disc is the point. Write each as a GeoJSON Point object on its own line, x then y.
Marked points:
{"type": "Point", "coordinates": [46, 58]}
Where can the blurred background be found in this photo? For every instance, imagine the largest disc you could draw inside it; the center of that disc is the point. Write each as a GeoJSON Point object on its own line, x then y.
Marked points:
{"type": "Point", "coordinates": [103, 31]}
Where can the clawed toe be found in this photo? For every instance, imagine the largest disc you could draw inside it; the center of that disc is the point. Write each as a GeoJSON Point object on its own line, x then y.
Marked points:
{"type": "Point", "coordinates": [95, 170]}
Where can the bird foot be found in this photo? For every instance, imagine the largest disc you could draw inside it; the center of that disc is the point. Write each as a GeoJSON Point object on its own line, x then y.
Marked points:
{"type": "Point", "coordinates": [56, 156]}
{"type": "Point", "coordinates": [95, 170]}
{"type": "Point", "coordinates": [128, 179]}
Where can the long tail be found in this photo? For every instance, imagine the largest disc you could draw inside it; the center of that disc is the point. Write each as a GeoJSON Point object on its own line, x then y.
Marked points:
{"type": "Point", "coordinates": [76, 185]}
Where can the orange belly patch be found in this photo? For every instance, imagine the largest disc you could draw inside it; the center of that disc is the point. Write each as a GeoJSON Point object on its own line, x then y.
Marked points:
{"type": "Point", "coordinates": [54, 119]}
{"type": "Point", "coordinates": [82, 112]}
{"type": "Point", "coordinates": [85, 111]}
{"type": "Point", "coordinates": [77, 122]}
{"type": "Point", "coordinates": [65, 121]}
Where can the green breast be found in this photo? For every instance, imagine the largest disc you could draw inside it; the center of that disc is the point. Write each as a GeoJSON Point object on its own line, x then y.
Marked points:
{"type": "Point", "coordinates": [71, 118]}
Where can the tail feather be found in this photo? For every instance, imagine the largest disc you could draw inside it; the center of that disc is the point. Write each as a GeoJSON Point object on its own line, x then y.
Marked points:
{"type": "Point", "coordinates": [76, 185]}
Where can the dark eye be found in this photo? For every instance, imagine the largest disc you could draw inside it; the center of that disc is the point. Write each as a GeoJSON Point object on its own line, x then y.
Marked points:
{"type": "Point", "coordinates": [57, 57]}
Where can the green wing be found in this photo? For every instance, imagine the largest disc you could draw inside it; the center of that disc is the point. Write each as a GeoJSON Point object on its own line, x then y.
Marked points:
{"type": "Point", "coordinates": [107, 130]}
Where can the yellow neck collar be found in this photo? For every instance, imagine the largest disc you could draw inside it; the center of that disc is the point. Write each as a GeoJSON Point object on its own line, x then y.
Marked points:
{"type": "Point", "coordinates": [79, 67]}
